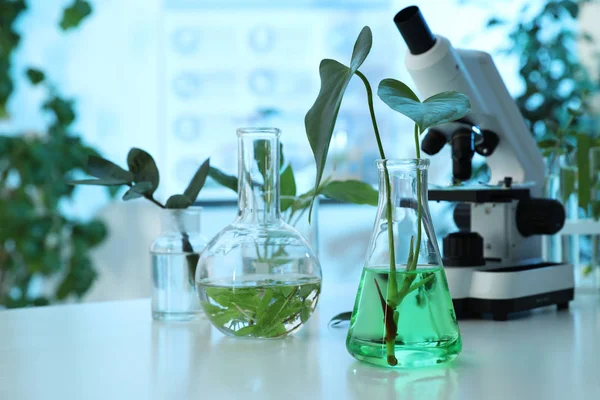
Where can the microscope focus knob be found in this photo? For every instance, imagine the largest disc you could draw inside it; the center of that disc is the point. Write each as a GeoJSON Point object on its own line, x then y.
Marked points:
{"type": "Point", "coordinates": [540, 217]}
{"type": "Point", "coordinates": [463, 249]}
{"type": "Point", "coordinates": [489, 143]}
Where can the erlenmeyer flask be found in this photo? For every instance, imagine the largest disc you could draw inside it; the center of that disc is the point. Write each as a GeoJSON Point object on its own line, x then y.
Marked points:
{"type": "Point", "coordinates": [258, 277]}
{"type": "Point", "coordinates": [406, 318]}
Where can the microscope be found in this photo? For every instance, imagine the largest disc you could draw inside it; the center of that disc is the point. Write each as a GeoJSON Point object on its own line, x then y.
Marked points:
{"type": "Point", "coordinates": [494, 262]}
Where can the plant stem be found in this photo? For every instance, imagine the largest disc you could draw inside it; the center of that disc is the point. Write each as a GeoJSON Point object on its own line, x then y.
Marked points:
{"type": "Point", "coordinates": [186, 246]}
{"type": "Point", "coordinates": [415, 259]}
{"type": "Point", "coordinates": [372, 111]}
{"type": "Point", "coordinates": [391, 326]}
{"type": "Point", "coordinates": [392, 283]}
{"type": "Point", "coordinates": [153, 200]}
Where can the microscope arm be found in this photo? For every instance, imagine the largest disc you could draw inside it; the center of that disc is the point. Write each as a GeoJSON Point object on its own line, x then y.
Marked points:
{"type": "Point", "coordinates": [436, 66]}
{"type": "Point", "coordinates": [517, 154]}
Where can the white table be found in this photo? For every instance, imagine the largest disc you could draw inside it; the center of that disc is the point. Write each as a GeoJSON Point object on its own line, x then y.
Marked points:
{"type": "Point", "coordinates": [109, 351]}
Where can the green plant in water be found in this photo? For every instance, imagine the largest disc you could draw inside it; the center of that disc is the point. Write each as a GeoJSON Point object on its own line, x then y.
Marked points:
{"type": "Point", "coordinates": [580, 172]}
{"type": "Point", "coordinates": [347, 191]}
{"type": "Point", "coordinates": [319, 122]}
{"type": "Point", "coordinates": [143, 178]}
{"type": "Point", "coordinates": [266, 309]}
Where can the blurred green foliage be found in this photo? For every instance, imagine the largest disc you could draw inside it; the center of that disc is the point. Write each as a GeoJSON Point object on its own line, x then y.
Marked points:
{"type": "Point", "coordinates": [558, 92]}
{"type": "Point", "coordinates": [36, 239]}
{"type": "Point", "coordinates": [545, 43]}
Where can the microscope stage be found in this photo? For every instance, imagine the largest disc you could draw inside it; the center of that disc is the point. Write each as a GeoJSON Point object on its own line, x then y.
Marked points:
{"type": "Point", "coordinates": [485, 194]}
{"type": "Point", "coordinates": [506, 290]}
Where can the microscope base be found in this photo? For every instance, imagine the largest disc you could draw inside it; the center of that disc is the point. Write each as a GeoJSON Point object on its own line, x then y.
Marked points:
{"type": "Point", "coordinates": [501, 309]}
{"type": "Point", "coordinates": [504, 291]}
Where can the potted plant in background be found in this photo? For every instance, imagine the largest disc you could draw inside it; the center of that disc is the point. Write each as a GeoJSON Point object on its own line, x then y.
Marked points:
{"type": "Point", "coordinates": [576, 183]}
{"type": "Point", "coordinates": [403, 314]}
{"type": "Point", "coordinates": [44, 251]}
{"type": "Point", "coordinates": [557, 103]}
{"type": "Point", "coordinates": [176, 251]}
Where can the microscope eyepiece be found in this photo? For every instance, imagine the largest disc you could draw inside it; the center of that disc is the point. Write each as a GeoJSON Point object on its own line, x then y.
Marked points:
{"type": "Point", "coordinates": [414, 30]}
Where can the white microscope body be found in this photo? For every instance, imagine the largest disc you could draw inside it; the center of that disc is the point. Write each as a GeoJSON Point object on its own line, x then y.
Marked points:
{"type": "Point", "coordinates": [508, 217]}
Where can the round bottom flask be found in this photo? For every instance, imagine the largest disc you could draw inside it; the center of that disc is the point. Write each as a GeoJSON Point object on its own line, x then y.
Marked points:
{"type": "Point", "coordinates": [258, 277]}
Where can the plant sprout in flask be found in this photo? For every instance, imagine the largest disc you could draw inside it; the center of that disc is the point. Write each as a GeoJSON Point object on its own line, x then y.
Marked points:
{"type": "Point", "coordinates": [403, 314]}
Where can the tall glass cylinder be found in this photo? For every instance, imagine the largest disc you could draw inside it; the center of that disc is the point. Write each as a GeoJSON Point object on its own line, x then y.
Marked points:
{"type": "Point", "coordinates": [258, 277]}
{"type": "Point", "coordinates": [403, 314]}
{"type": "Point", "coordinates": [175, 253]}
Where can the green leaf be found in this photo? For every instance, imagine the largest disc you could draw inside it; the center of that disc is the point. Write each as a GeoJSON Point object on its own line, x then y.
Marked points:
{"type": "Point", "coordinates": [596, 210]}
{"type": "Point", "coordinates": [269, 319]}
{"type": "Point", "coordinates": [281, 156]}
{"type": "Point", "coordinates": [351, 191]}
{"type": "Point", "coordinates": [571, 6]}
{"type": "Point", "coordinates": [63, 111]}
{"type": "Point", "coordinates": [265, 301]}
{"type": "Point", "coordinates": [594, 155]}
{"type": "Point", "coordinates": [178, 201]}
{"type": "Point", "coordinates": [99, 167]}
{"type": "Point", "coordinates": [93, 232]}
{"type": "Point", "coordinates": [262, 156]}
{"type": "Point", "coordinates": [568, 177]}
{"type": "Point", "coordinates": [320, 119]}
{"type": "Point", "coordinates": [426, 281]}
{"type": "Point", "coordinates": [396, 88]}
{"type": "Point", "coordinates": [245, 331]}
{"type": "Point", "coordinates": [138, 190]}
{"type": "Point", "coordinates": [575, 112]}
{"type": "Point", "coordinates": [41, 301]}
{"type": "Point", "coordinates": [197, 182]}
{"type": "Point", "coordinates": [143, 168]}
{"type": "Point", "coordinates": [34, 75]}
{"type": "Point", "coordinates": [587, 37]}
{"type": "Point", "coordinates": [306, 312]}
{"type": "Point", "coordinates": [192, 263]}
{"type": "Point", "coordinates": [549, 151]}
{"type": "Point", "coordinates": [547, 142]}
{"type": "Point", "coordinates": [584, 143]}
{"type": "Point", "coordinates": [305, 200]}
{"type": "Point", "coordinates": [66, 287]}
{"type": "Point", "coordinates": [438, 109]}
{"type": "Point", "coordinates": [287, 186]}
{"type": "Point", "coordinates": [411, 255]}
{"type": "Point", "coordinates": [74, 14]}
{"type": "Point", "coordinates": [99, 182]}
{"type": "Point", "coordinates": [223, 179]}
{"type": "Point", "coordinates": [495, 22]}
{"type": "Point", "coordinates": [211, 309]}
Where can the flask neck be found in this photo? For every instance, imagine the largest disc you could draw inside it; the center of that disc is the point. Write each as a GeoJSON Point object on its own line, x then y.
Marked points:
{"type": "Point", "coordinates": [408, 183]}
{"type": "Point", "coordinates": [258, 175]}
{"type": "Point", "coordinates": [181, 221]}
{"type": "Point", "coordinates": [409, 223]}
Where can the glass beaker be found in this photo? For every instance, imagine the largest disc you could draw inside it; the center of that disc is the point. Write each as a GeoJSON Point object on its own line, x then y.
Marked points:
{"type": "Point", "coordinates": [175, 254]}
{"type": "Point", "coordinates": [403, 314]}
{"type": "Point", "coordinates": [258, 277]}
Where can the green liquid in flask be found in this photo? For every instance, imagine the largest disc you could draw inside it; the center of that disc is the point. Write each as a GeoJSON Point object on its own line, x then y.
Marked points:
{"type": "Point", "coordinates": [428, 333]}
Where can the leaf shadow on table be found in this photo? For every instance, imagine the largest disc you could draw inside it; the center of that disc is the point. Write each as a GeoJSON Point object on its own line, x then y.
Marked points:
{"type": "Point", "coordinates": [368, 381]}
